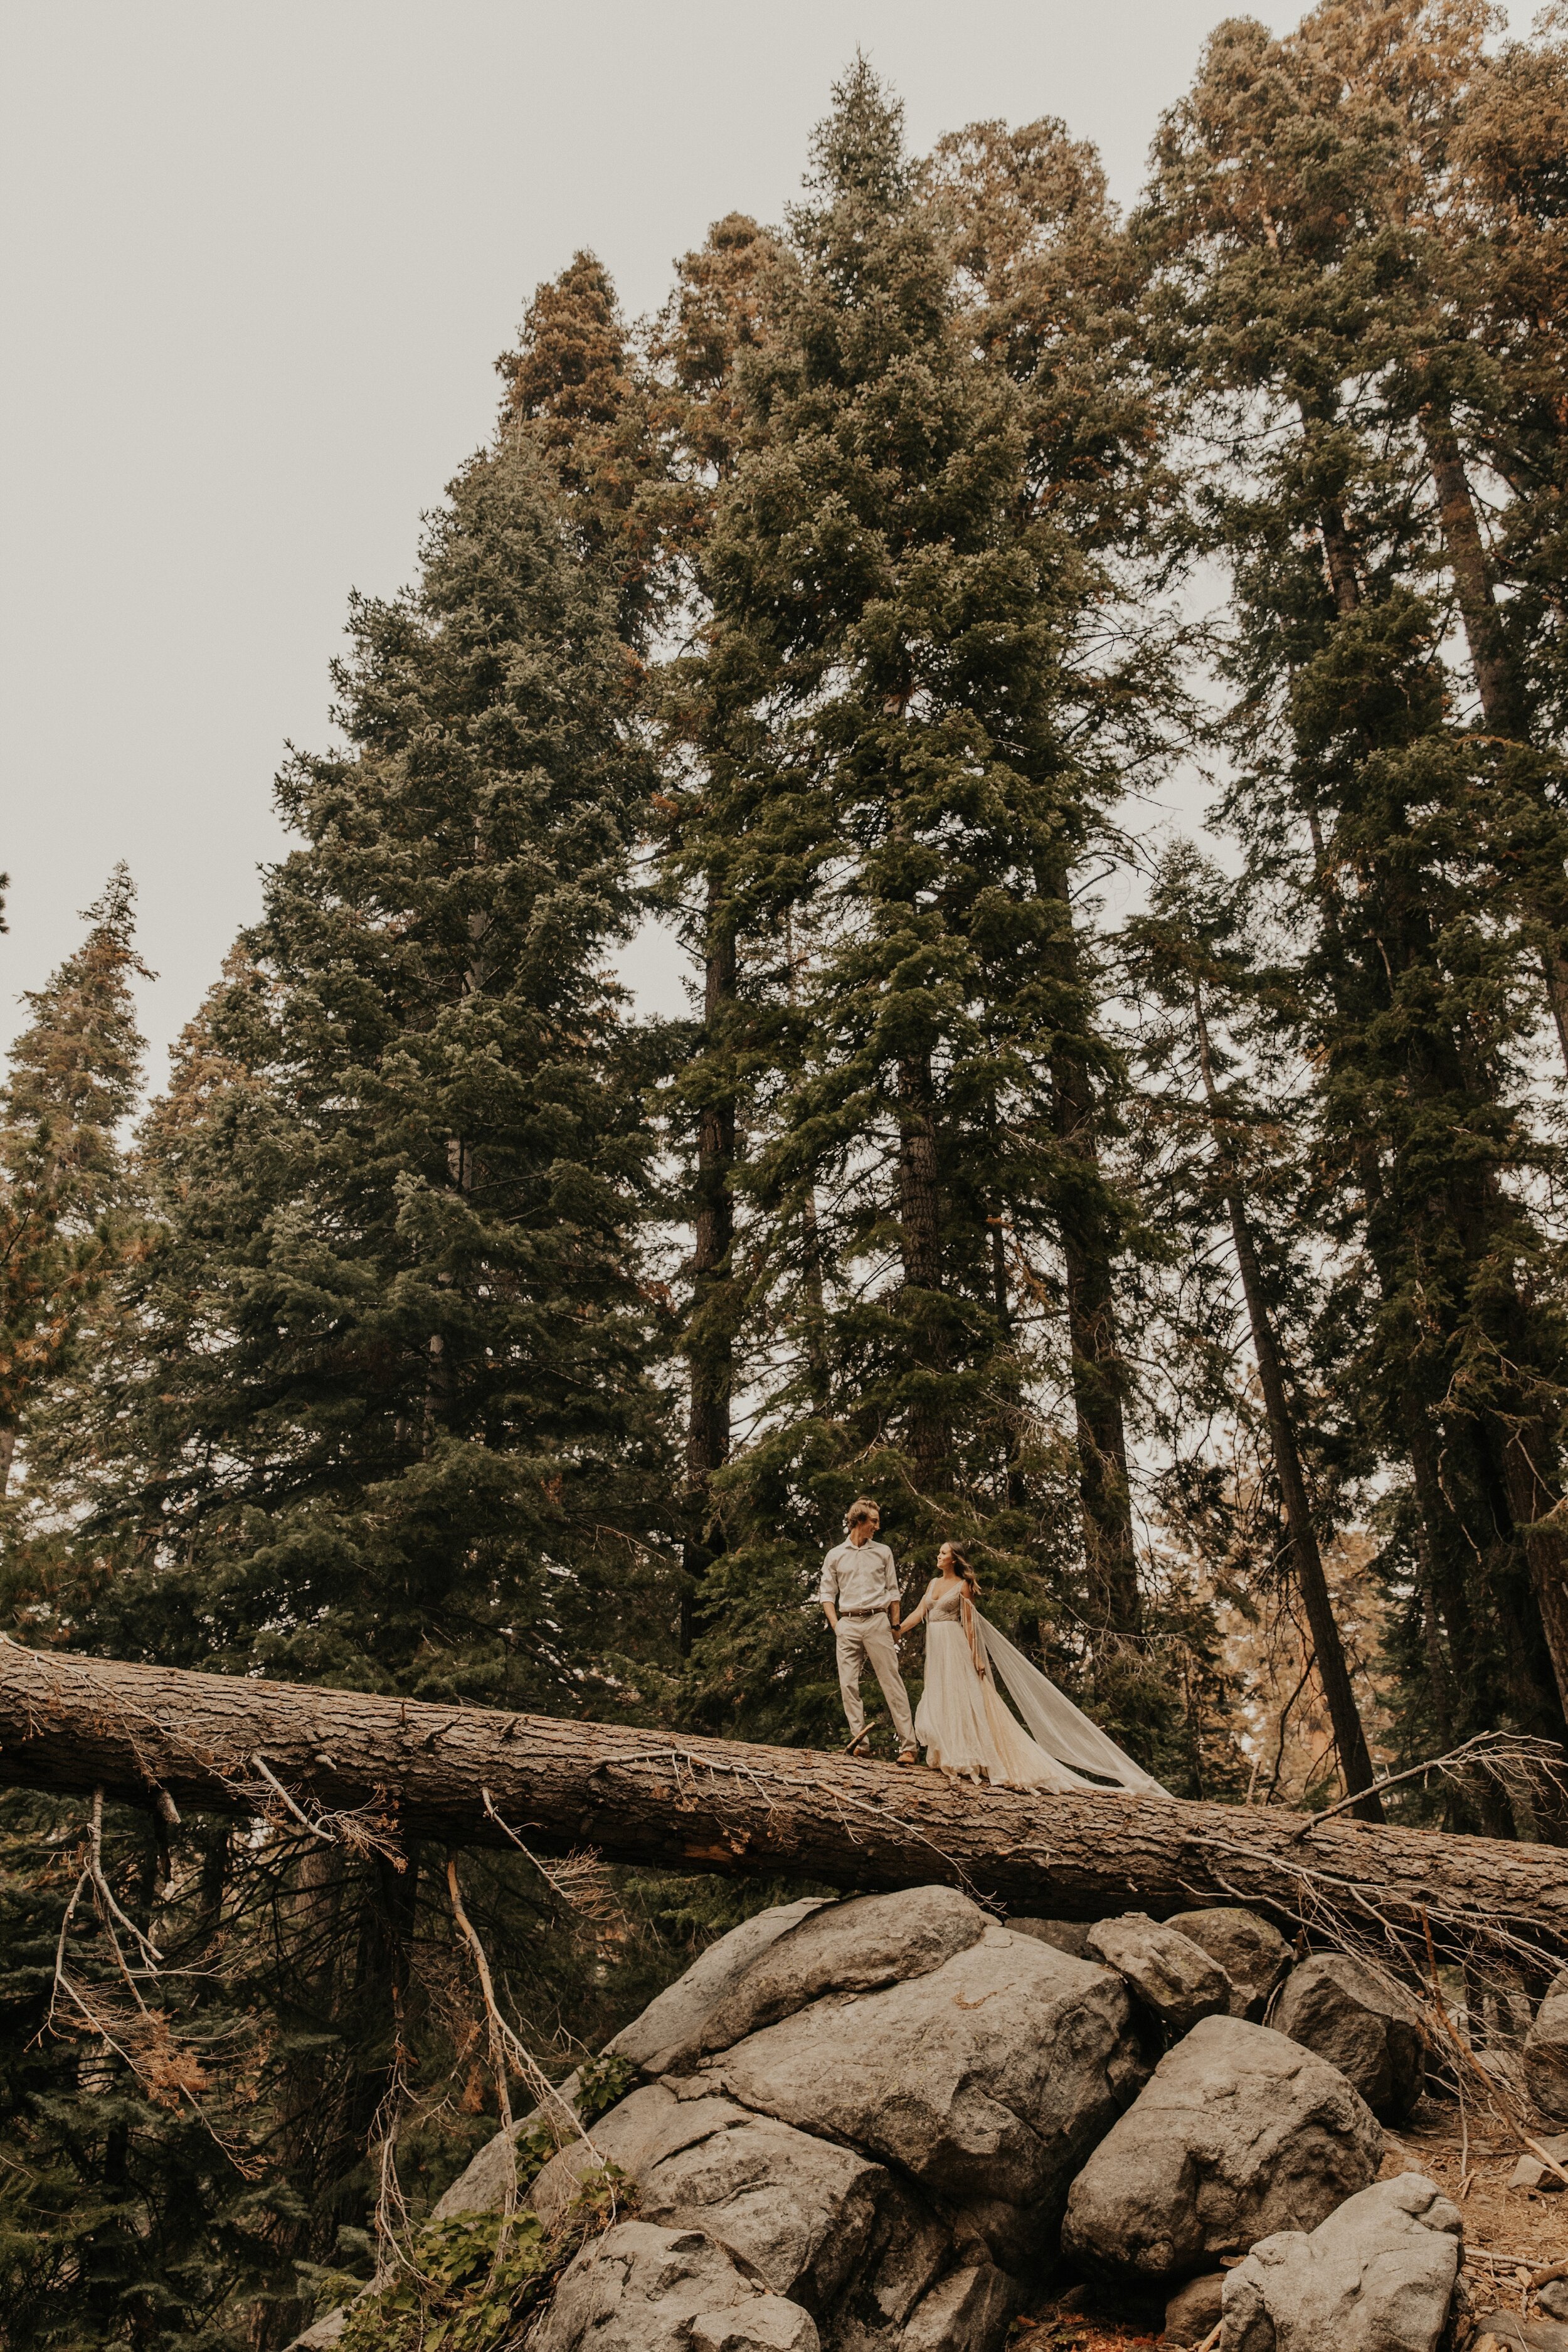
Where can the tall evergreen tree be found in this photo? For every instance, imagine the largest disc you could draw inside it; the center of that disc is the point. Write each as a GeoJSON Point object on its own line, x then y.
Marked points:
{"type": "Point", "coordinates": [403, 1169]}
{"type": "Point", "coordinates": [64, 1227]}
{"type": "Point", "coordinates": [897, 677]}
{"type": "Point", "coordinates": [1357, 795]}
{"type": "Point", "coordinates": [716, 317]}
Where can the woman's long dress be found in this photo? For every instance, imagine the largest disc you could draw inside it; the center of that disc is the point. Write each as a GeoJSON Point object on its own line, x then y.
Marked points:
{"type": "Point", "coordinates": [967, 1728]}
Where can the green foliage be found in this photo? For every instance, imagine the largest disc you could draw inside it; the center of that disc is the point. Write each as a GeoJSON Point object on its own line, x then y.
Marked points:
{"type": "Point", "coordinates": [602, 2084]}
{"type": "Point", "coordinates": [470, 2284]}
{"type": "Point", "coordinates": [67, 1221]}
{"type": "Point", "coordinates": [829, 616]}
{"type": "Point", "coordinates": [914, 708]}
{"type": "Point", "coordinates": [398, 1289]}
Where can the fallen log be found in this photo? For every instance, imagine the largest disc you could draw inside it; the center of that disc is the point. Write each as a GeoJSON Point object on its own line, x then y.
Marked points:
{"type": "Point", "coordinates": [348, 1764]}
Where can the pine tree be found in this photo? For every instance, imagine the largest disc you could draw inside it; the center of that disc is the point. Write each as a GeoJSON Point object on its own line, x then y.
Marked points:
{"type": "Point", "coordinates": [899, 688]}
{"type": "Point", "coordinates": [714, 320]}
{"type": "Point", "coordinates": [1357, 795]}
{"type": "Point", "coordinates": [65, 1201]}
{"type": "Point", "coordinates": [403, 1166]}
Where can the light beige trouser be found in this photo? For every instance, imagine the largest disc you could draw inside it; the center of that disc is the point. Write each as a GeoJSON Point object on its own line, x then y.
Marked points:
{"type": "Point", "coordinates": [869, 1642]}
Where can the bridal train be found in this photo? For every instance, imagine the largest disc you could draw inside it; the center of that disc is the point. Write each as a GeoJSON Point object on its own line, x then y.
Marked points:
{"type": "Point", "coordinates": [968, 1730]}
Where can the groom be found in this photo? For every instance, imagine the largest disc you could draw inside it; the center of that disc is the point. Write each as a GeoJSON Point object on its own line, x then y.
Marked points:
{"type": "Point", "coordinates": [859, 1594]}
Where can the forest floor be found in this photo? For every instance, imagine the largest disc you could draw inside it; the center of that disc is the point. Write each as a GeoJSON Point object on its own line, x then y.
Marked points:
{"type": "Point", "coordinates": [1526, 2229]}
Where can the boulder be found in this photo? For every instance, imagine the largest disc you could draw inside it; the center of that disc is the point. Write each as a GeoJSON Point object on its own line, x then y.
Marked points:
{"type": "Point", "coordinates": [485, 2185]}
{"type": "Point", "coordinates": [1369, 2027]}
{"type": "Point", "coordinates": [1067, 1935]}
{"type": "Point", "coordinates": [845, 1948]}
{"type": "Point", "coordinates": [1171, 1976]}
{"type": "Point", "coordinates": [1377, 2276]}
{"type": "Point", "coordinates": [1529, 2172]}
{"type": "Point", "coordinates": [971, 2311]}
{"type": "Point", "coordinates": [1253, 1954]}
{"type": "Point", "coordinates": [1504, 2331]}
{"type": "Point", "coordinates": [1193, 2311]}
{"type": "Point", "coordinates": [640, 2288]}
{"type": "Point", "coordinates": [324, 2333]}
{"type": "Point", "coordinates": [986, 2081]}
{"type": "Point", "coordinates": [668, 2031]}
{"type": "Point", "coordinates": [1239, 2133]}
{"type": "Point", "coordinates": [812, 2220]}
{"type": "Point", "coordinates": [1554, 2298]}
{"type": "Point", "coordinates": [1546, 2053]}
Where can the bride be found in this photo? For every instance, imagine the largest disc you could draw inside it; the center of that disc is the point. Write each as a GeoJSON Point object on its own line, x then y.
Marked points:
{"type": "Point", "coordinates": [965, 1727]}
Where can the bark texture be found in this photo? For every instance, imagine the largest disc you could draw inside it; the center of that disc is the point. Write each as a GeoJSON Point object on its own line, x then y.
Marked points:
{"type": "Point", "coordinates": [1333, 1672]}
{"type": "Point", "coordinates": [649, 1797]}
{"type": "Point", "coordinates": [710, 1338]}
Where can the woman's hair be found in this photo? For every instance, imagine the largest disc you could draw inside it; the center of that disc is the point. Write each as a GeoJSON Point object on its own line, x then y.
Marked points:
{"type": "Point", "coordinates": [863, 1508]}
{"type": "Point", "coordinates": [962, 1565]}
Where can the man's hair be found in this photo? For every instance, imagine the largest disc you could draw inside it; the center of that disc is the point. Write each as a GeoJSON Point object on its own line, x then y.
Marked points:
{"type": "Point", "coordinates": [863, 1508]}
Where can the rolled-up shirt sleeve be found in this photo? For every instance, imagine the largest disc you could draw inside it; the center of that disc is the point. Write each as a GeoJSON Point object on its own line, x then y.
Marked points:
{"type": "Point", "coordinates": [827, 1589]}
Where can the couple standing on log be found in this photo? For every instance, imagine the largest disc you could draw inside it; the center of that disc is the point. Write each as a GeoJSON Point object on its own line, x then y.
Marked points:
{"type": "Point", "coordinates": [962, 1722]}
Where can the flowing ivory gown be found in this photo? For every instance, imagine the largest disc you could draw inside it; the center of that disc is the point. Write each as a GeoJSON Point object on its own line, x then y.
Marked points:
{"type": "Point", "coordinates": [966, 1728]}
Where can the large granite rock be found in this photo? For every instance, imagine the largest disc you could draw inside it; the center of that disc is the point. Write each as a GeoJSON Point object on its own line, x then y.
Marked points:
{"type": "Point", "coordinates": [971, 2311]}
{"type": "Point", "coordinates": [1193, 2312]}
{"type": "Point", "coordinates": [1240, 2133]}
{"type": "Point", "coordinates": [893, 2097]}
{"type": "Point", "coordinates": [985, 2080]}
{"type": "Point", "coordinates": [1367, 2027]}
{"type": "Point", "coordinates": [669, 2033]}
{"type": "Point", "coordinates": [640, 2288]}
{"type": "Point", "coordinates": [1173, 1978]}
{"type": "Point", "coordinates": [1067, 1935]}
{"type": "Point", "coordinates": [1546, 2051]}
{"type": "Point", "coordinates": [1504, 2331]}
{"type": "Point", "coordinates": [845, 1948]}
{"type": "Point", "coordinates": [488, 2179]}
{"type": "Point", "coordinates": [814, 2220]}
{"type": "Point", "coordinates": [1377, 2276]}
{"type": "Point", "coordinates": [1253, 1954]}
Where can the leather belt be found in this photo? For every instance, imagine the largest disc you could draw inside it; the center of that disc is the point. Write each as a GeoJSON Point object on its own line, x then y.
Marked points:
{"type": "Point", "coordinates": [880, 1610]}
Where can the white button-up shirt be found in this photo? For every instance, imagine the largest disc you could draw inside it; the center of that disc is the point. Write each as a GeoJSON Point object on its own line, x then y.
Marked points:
{"type": "Point", "coordinates": [859, 1576]}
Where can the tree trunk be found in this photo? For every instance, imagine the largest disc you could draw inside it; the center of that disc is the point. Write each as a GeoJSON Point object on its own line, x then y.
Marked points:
{"type": "Point", "coordinates": [919, 1222]}
{"type": "Point", "coordinates": [1466, 555]}
{"type": "Point", "coordinates": [660, 1801]}
{"type": "Point", "coordinates": [1496, 683]}
{"type": "Point", "coordinates": [1333, 1674]}
{"type": "Point", "coordinates": [709, 1340]}
{"type": "Point", "coordinates": [1099, 1374]}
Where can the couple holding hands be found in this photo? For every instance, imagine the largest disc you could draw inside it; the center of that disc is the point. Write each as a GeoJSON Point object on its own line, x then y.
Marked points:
{"type": "Point", "coordinates": [963, 1722]}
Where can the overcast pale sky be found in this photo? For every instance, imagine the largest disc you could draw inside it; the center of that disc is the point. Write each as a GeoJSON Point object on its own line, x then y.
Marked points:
{"type": "Point", "coordinates": [261, 256]}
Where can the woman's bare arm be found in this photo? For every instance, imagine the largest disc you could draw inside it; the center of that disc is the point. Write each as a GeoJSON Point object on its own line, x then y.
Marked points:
{"type": "Point", "coordinates": [913, 1620]}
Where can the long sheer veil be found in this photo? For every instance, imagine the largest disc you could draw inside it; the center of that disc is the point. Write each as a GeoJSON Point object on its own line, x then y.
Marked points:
{"type": "Point", "coordinates": [1056, 1724]}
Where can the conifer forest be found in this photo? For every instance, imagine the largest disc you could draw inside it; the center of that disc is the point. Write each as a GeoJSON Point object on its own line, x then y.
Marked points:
{"type": "Point", "coordinates": [1088, 689]}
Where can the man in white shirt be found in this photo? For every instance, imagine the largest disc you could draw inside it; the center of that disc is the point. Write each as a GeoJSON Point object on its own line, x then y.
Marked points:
{"type": "Point", "coordinates": [859, 1594]}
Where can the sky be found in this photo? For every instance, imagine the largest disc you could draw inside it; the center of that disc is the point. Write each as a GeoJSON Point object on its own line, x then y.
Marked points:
{"type": "Point", "coordinates": [259, 261]}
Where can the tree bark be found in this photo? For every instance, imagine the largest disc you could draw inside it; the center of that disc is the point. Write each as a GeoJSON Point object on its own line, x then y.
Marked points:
{"type": "Point", "coordinates": [1098, 1370]}
{"type": "Point", "coordinates": [1333, 1674]}
{"type": "Point", "coordinates": [1466, 555]}
{"type": "Point", "coordinates": [656, 1799]}
{"type": "Point", "coordinates": [1099, 1374]}
{"type": "Point", "coordinates": [919, 1221]}
{"type": "Point", "coordinates": [709, 1341]}
{"type": "Point", "coordinates": [1495, 682]}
